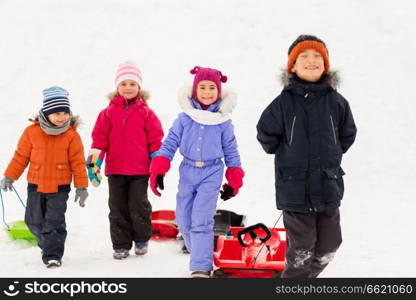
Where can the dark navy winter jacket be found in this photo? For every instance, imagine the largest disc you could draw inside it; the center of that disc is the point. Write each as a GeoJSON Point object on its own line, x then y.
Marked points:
{"type": "Point", "coordinates": [308, 127]}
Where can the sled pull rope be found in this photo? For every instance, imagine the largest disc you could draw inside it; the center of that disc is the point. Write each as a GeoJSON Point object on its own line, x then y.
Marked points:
{"type": "Point", "coordinates": [2, 210]}
{"type": "Point", "coordinates": [258, 253]}
{"type": "Point", "coordinates": [24, 206]}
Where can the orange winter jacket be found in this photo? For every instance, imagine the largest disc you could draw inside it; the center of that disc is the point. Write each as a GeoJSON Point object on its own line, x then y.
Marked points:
{"type": "Point", "coordinates": [53, 159]}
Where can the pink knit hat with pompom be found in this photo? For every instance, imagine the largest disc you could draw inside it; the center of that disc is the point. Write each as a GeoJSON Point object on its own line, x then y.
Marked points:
{"type": "Point", "coordinates": [207, 74]}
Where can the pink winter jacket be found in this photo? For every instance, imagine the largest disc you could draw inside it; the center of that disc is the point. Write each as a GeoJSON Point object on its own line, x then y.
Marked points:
{"type": "Point", "coordinates": [128, 136]}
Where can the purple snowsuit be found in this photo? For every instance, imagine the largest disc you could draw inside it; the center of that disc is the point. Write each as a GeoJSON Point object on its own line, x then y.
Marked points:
{"type": "Point", "coordinates": [203, 138]}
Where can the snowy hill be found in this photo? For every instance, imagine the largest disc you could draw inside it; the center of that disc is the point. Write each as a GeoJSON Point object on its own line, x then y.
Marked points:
{"type": "Point", "coordinates": [78, 45]}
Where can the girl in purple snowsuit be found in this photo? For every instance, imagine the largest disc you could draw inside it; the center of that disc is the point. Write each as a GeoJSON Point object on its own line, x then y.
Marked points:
{"type": "Point", "coordinates": [204, 134]}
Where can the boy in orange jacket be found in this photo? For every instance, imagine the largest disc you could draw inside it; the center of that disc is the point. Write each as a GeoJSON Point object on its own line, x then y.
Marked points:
{"type": "Point", "coordinates": [55, 152]}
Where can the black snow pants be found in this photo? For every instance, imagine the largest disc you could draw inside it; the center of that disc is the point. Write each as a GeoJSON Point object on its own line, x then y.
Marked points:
{"type": "Point", "coordinates": [130, 210]}
{"type": "Point", "coordinates": [312, 240]}
{"type": "Point", "coordinates": [45, 218]}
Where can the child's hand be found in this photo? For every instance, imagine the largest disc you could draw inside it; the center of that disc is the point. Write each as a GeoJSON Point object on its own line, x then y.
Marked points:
{"type": "Point", "coordinates": [158, 168]}
{"type": "Point", "coordinates": [227, 192]}
{"type": "Point", "coordinates": [94, 161]}
{"type": "Point", "coordinates": [156, 181]}
{"type": "Point", "coordinates": [81, 194]}
{"type": "Point", "coordinates": [6, 184]}
{"type": "Point", "coordinates": [234, 177]}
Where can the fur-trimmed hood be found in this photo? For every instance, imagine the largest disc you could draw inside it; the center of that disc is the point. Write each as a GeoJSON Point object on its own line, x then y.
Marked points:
{"type": "Point", "coordinates": [222, 114]}
{"type": "Point", "coordinates": [334, 80]}
{"type": "Point", "coordinates": [75, 120]}
{"type": "Point", "coordinates": [143, 94]}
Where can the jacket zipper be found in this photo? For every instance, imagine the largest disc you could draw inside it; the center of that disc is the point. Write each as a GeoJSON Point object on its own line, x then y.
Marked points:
{"type": "Point", "coordinates": [308, 177]}
{"type": "Point", "coordinates": [291, 131]}
{"type": "Point", "coordinates": [333, 129]}
{"type": "Point", "coordinates": [307, 190]}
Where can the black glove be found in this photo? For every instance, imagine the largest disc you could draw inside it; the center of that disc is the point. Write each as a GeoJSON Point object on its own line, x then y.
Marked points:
{"type": "Point", "coordinates": [155, 182]}
{"type": "Point", "coordinates": [227, 192]}
{"type": "Point", "coordinates": [159, 182]}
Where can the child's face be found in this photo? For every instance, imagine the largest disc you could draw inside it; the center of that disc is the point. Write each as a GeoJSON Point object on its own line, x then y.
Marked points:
{"type": "Point", "coordinates": [309, 65]}
{"type": "Point", "coordinates": [58, 118]}
{"type": "Point", "coordinates": [206, 92]}
{"type": "Point", "coordinates": [129, 89]}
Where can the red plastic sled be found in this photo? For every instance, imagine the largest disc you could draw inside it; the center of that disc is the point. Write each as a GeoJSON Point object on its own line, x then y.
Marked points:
{"type": "Point", "coordinates": [164, 224]}
{"type": "Point", "coordinates": [253, 252]}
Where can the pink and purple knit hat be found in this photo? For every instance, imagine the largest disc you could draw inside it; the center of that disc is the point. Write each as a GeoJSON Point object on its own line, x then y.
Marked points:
{"type": "Point", "coordinates": [128, 70]}
{"type": "Point", "coordinates": [207, 74]}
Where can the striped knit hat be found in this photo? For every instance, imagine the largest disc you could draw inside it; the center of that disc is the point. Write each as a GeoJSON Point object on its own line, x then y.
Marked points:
{"type": "Point", "coordinates": [304, 42]}
{"type": "Point", "coordinates": [55, 99]}
{"type": "Point", "coordinates": [128, 71]}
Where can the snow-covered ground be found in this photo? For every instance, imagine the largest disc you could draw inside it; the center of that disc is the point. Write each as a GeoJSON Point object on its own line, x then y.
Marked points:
{"type": "Point", "coordinates": [78, 44]}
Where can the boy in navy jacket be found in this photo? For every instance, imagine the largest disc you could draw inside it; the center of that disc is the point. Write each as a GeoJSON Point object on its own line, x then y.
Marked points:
{"type": "Point", "coordinates": [308, 127]}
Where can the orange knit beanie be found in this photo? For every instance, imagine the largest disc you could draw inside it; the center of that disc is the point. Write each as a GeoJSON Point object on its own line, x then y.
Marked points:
{"type": "Point", "coordinates": [304, 42]}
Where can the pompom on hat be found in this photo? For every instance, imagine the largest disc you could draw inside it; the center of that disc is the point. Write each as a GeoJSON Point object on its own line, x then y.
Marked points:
{"type": "Point", "coordinates": [207, 74]}
{"type": "Point", "coordinates": [305, 42]}
{"type": "Point", "coordinates": [128, 70]}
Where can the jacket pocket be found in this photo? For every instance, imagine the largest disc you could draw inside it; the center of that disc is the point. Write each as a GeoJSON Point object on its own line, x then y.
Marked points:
{"type": "Point", "coordinates": [33, 174]}
{"type": "Point", "coordinates": [334, 131]}
{"type": "Point", "coordinates": [292, 128]}
{"type": "Point", "coordinates": [333, 184]}
{"type": "Point", "coordinates": [63, 173]}
{"type": "Point", "coordinates": [291, 186]}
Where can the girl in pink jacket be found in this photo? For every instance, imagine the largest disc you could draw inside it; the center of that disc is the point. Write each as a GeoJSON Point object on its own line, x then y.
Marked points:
{"type": "Point", "coordinates": [128, 134]}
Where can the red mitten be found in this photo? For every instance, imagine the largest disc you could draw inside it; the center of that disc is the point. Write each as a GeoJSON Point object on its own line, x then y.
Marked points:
{"type": "Point", "coordinates": [159, 166]}
{"type": "Point", "coordinates": [234, 177]}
